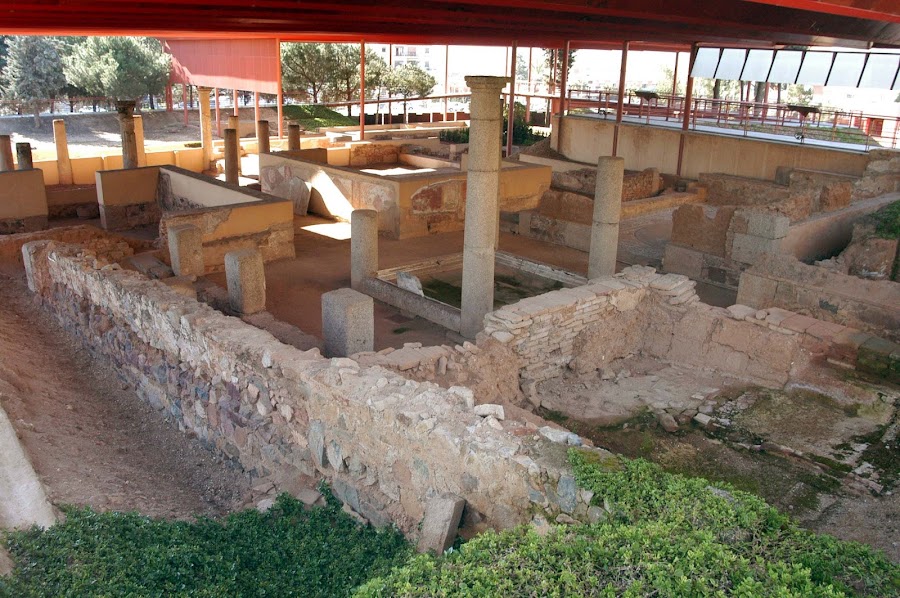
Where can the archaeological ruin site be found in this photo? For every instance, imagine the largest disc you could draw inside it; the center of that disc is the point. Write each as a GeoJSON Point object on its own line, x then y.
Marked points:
{"type": "Point", "coordinates": [428, 327]}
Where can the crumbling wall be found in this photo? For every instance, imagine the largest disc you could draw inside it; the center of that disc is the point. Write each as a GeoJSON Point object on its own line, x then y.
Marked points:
{"type": "Point", "coordinates": [385, 443]}
{"type": "Point", "coordinates": [785, 282]}
{"type": "Point", "coordinates": [106, 246]}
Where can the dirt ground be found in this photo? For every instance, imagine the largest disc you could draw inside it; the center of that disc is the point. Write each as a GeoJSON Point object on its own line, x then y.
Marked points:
{"type": "Point", "coordinates": [90, 438]}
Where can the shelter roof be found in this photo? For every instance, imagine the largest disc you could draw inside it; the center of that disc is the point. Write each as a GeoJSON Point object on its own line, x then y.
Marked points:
{"type": "Point", "coordinates": [586, 23]}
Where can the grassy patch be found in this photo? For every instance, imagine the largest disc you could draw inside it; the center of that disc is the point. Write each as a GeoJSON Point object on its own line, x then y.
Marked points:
{"type": "Point", "coordinates": [313, 117]}
{"type": "Point", "coordinates": [664, 535]}
{"type": "Point", "coordinates": [401, 330]}
{"type": "Point", "coordinates": [887, 221]}
{"type": "Point", "coordinates": [288, 551]}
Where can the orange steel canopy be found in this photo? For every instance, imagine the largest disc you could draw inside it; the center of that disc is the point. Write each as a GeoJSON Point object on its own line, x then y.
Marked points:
{"type": "Point", "coordinates": [584, 23]}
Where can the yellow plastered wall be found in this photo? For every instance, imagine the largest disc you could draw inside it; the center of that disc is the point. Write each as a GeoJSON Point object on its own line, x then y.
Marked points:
{"type": "Point", "coordinates": [205, 192]}
{"type": "Point", "coordinates": [127, 187]}
{"type": "Point", "coordinates": [585, 139]}
{"type": "Point", "coordinates": [22, 194]}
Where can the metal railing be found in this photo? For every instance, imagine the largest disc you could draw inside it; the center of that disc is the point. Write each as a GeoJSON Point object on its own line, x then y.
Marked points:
{"type": "Point", "coordinates": [751, 118]}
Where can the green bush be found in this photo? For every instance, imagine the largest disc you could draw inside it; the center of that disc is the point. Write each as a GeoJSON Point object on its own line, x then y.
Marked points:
{"type": "Point", "coordinates": [887, 221]}
{"type": "Point", "coordinates": [667, 535]}
{"type": "Point", "coordinates": [454, 135]}
{"type": "Point", "coordinates": [288, 551]}
{"type": "Point", "coordinates": [523, 134]}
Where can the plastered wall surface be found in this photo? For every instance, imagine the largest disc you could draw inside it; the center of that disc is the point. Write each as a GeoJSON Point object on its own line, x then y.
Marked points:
{"type": "Point", "coordinates": [585, 139]}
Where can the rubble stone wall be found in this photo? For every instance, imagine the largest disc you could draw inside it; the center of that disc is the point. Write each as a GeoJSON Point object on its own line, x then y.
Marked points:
{"type": "Point", "coordinates": [785, 282]}
{"type": "Point", "coordinates": [385, 443]}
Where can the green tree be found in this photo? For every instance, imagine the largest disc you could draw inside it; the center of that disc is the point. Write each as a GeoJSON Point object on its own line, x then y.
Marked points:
{"type": "Point", "coordinates": [307, 68]}
{"type": "Point", "coordinates": [124, 68]}
{"type": "Point", "coordinates": [344, 81]}
{"type": "Point", "coordinates": [33, 72]}
{"type": "Point", "coordinates": [799, 94]}
{"type": "Point", "coordinates": [554, 73]}
{"type": "Point", "coordinates": [409, 81]}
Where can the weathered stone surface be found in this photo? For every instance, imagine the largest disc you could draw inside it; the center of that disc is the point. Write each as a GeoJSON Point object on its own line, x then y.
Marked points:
{"type": "Point", "coordinates": [246, 278]}
{"type": "Point", "coordinates": [347, 322]}
{"type": "Point", "coordinates": [441, 522]}
{"type": "Point", "coordinates": [489, 409]}
{"type": "Point", "coordinates": [410, 282]}
{"type": "Point", "coordinates": [186, 250]}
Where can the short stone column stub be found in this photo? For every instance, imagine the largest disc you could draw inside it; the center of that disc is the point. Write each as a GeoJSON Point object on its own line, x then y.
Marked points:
{"type": "Point", "coordinates": [293, 137]}
{"type": "Point", "coordinates": [482, 199]}
{"type": "Point", "coordinates": [262, 136]}
{"type": "Point", "coordinates": [205, 125]}
{"type": "Point", "coordinates": [63, 162]}
{"type": "Point", "coordinates": [6, 154]}
{"type": "Point", "coordinates": [232, 157]}
{"type": "Point", "coordinates": [348, 322]}
{"type": "Point", "coordinates": [605, 221]}
{"type": "Point", "coordinates": [245, 274]}
{"type": "Point", "coordinates": [23, 156]}
{"type": "Point", "coordinates": [139, 140]}
{"type": "Point", "coordinates": [363, 247]}
{"type": "Point", "coordinates": [186, 250]}
{"type": "Point", "coordinates": [125, 109]}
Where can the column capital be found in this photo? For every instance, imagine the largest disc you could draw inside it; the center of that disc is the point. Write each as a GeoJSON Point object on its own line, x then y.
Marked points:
{"type": "Point", "coordinates": [204, 89]}
{"type": "Point", "coordinates": [486, 83]}
{"type": "Point", "coordinates": [125, 107]}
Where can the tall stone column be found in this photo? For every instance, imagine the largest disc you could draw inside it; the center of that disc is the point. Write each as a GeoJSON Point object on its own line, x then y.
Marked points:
{"type": "Point", "coordinates": [293, 137]}
{"type": "Point", "coordinates": [482, 193]}
{"type": "Point", "coordinates": [63, 163]}
{"type": "Point", "coordinates": [205, 125]}
{"type": "Point", "coordinates": [6, 154]}
{"type": "Point", "coordinates": [363, 247]}
{"type": "Point", "coordinates": [262, 136]}
{"type": "Point", "coordinates": [231, 157]}
{"type": "Point", "coordinates": [23, 156]}
{"type": "Point", "coordinates": [126, 126]}
{"type": "Point", "coordinates": [605, 223]}
{"type": "Point", "coordinates": [139, 140]}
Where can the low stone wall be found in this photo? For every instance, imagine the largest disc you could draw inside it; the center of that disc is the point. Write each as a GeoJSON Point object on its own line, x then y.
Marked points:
{"type": "Point", "coordinates": [106, 246]}
{"type": "Point", "coordinates": [127, 198]}
{"type": "Point", "coordinates": [783, 281]}
{"type": "Point", "coordinates": [715, 244]}
{"type": "Point", "coordinates": [408, 205]}
{"type": "Point", "coordinates": [266, 225]}
{"type": "Point", "coordinates": [385, 443]}
{"type": "Point", "coordinates": [23, 201]}
{"type": "Point", "coordinates": [639, 310]}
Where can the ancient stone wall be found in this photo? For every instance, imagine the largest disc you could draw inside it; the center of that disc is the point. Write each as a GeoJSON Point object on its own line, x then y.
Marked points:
{"type": "Point", "coordinates": [385, 443]}
{"type": "Point", "coordinates": [785, 282]}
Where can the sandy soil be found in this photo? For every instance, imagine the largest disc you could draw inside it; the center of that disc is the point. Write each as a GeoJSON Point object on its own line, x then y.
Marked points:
{"type": "Point", "coordinates": [91, 439]}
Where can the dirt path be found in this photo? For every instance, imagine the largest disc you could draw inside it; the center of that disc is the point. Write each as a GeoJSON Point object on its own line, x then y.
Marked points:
{"type": "Point", "coordinates": [91, 439]}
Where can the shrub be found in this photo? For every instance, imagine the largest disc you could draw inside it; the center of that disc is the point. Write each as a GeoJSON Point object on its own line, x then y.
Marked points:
{"type": "Point", "coordinates": [666, 535]}
{"type": "Point", "coordinates": [288, 551]}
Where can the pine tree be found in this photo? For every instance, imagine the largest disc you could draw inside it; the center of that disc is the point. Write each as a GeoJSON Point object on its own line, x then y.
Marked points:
{"type": "Point", "coordinates": [34, 72]}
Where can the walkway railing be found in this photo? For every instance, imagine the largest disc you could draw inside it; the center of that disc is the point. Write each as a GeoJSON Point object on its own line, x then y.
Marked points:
{"type": "Point", "coordinates": [788, 120]}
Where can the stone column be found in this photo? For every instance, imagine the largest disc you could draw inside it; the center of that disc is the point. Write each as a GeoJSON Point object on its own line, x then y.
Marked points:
{"type": "Point", "coordinates": [23, 156]}
{"type": "Point", "coordinates": [245, 275]}
{"type": "Point", "coordinates": [139, 140]}
{"type": "Point", "coordinates": [63, 163]}
{"type": "Point", "coordinates": [482, 193]}
{"type": "Point", "coordinates": [348, 322]}
{"type": "Point", "coordinates": [293, 137]}
{"type": "Point", "coordinates": [605, 224]}
{"type": "Point", "coordinates": [231, 157]}
{"type": "Point", "coordinates": [6, 154]}
{"type": "Point", "coordinates": [186, 250]}
{"type": "Point", "coordinates": [262, 136]}
{"type": "Point", "coordinates": [234, 122]}
{"type": "Point", "coordinates": [205, 125]}
{"type": "Point", "coordinates": [363, 246]}
{"type": "Point", "coordinates": [126, 126]}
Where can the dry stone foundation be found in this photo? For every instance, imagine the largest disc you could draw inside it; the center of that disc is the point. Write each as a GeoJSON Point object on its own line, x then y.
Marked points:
{"type": "Point", "coordinates": [386, 444]}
